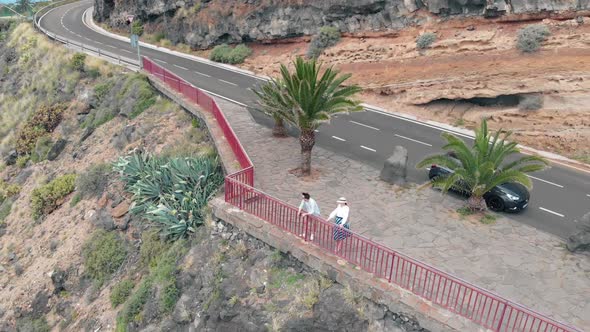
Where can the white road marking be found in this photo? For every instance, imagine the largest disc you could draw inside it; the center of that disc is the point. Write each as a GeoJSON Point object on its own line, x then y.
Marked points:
{"type": "Point", "coordinates": [413, 140]}
{"type": "Point", "coordinates": [132, 53]}
{"type": "Point", "coordinates": [338, 138]}
{"type": "Point", "coordinates": [551, 183]}
{"type": "Point", "coordinates": [364, 125]}
{"type": "Point", "coordinates": [199, 73]}
{"type": "Point", "coordinates": [366, 148]}
{"type": "Point", "coordinates": [112, 46]}
{"type": "Point", "coordinates": [177, 66]}
{"type": "Point", "coordinates": [96, 42]}
{"type": "Point", "coordinates": [230, 83]}
{"type": "Point", "coordinates": [552, 212]}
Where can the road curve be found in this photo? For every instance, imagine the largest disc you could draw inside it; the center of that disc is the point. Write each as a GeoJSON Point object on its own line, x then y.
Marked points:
{"type": "Point", "coordinates": [561, 195]}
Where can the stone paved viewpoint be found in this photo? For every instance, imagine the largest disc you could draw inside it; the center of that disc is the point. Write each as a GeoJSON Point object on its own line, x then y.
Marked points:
{"type": "Point", "coordinates": [516, 261]}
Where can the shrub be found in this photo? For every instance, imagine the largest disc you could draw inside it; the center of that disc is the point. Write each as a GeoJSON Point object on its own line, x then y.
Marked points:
{"type": "Point", "coordinates": [165, 43]}
{"type": "Point", "coordinates": [225, 54]}
{"type": "Point", "coordinates": [42, 148]}
{"type": "Point", "coordinates": [170, 192]}
{"type": "Point", "coordinates": [8, 190]}
{"type": "Point", "coordinates": [137, 28]}
{"type": "Point", "coordinates": [78, 61]}
{"type": "Point", "coordinates": [327, 37]}
{"type": "Point", "coordinates": [43, 121]}
{"type": "Point", "coordinates": [75, 200]}
{"type": "Point", "coordinates": [168, 297]}
{"type": "Point", "coordinates": [159, 36]}
{"type": "Point", "coordinates": [103, 254]}
{"type": "Point", "coordinates": [93, 73]}
{"type": "Point", "coordinates": [101, 90]}
{"type": "Point", "coordinates": [5, 209]}
{"type": "Point", "coordinates": [21, 162]}
{"type": "Point", "coordinates": [135, 304]}
{"type": "Point", "coordinates": [138, 87]}
{"type": "Point", "coordinates": [529, 39]}
{"type": "Point", "coordinates": [47, 198]}
{"type": "Point", "coordinates": [151, 248]}
{"type": "Point", "coordinates": [31, 324]}
{"type": "Point", "coordinates": [425, 40]}
{"type": "Point", "coordinates": [530, 103]}
{"type": "Point", "coordinates": [162, 273]}
{"type": "Point", "coordinates": [239, 54]}
{"type": "Point", "coordinates": [121, 292]}
{"type": "Point", "coordinates": [220, 53]}
{"type": "Point", "coordinates": [93, 182]}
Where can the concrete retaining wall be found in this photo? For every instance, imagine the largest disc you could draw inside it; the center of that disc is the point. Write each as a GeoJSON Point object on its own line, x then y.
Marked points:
{"type": "Point", "coordinates": [397, 299]}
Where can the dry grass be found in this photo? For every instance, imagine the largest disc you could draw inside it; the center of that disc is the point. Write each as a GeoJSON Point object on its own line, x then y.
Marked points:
{"type": "Point", "coordinates": [43, 78]}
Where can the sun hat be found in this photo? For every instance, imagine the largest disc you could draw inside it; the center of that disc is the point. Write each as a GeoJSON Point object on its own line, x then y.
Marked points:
{"type": "Point", "coordinates": [341, 200]}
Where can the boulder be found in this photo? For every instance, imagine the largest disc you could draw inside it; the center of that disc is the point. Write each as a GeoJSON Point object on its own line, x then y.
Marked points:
{"type": "Point", "coordinates": [10, 159]}
{"type": "Point", "coordinates": [395, 169]}
{"type": "Point", "coordinates": [182, 310]}
{"type": "Point", "coordinates": [101, 219]}
{"type": "Point", "coordinates": [56, 149]}
{"type": "Point", "coordinates": [129, 135]}
{"type": "Point", "coordinates": [580, 241]}
{"type": "Point", "coordinates": [58, 278]}
{"type": "Point", "coordinates": [120, 210]}
{"type": "Point", "coordinates": [86, 133]}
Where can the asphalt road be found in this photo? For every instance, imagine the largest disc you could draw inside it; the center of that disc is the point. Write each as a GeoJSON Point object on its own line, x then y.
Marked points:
{"type": "Point", "coordinates": [561, 195]}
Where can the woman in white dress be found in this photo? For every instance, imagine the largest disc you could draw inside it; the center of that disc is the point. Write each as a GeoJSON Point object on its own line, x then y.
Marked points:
{"type": "Point", "coordinates": [340, 217]}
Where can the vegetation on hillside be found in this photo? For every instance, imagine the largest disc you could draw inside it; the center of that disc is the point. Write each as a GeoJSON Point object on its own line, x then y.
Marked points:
{"type": "Point", "coordinates": [530, 38]}
{"type": "Point", "coordinates": [226, 54]}
{"type": "Point", "coordinates": [49, 196]}
{"type": "Point", "coordinates": [35, 81]}
{"type": "Point", "coordinates": [425, 40]}
{"type": "Point", "coordinates": [103, 254]}
{"type": "Point", "coordinates": [170, 192]}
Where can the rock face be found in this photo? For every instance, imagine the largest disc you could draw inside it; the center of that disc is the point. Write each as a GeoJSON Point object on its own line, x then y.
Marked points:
{"type": "Point", "coordinates": [233, 282]}
{"type": "Point", "coordinates": [202, 24]}
{"type": "Point", "coordinates": [395, 169]}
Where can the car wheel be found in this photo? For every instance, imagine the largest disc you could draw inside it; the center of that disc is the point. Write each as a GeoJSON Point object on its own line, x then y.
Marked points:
{"type": "Point", "coordinates": [495, 203]}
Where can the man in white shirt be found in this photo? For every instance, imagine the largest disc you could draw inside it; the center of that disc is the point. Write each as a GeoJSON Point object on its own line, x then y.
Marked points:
{"type": "Point", "coordinates": [308, 206]}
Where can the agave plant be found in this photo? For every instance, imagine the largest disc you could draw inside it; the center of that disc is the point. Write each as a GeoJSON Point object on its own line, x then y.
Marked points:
{"type": "Point", "coordinates": [170, 192]}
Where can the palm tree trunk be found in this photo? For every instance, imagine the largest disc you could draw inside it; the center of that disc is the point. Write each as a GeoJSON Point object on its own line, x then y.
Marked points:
{"type": "Point", "coordinates": [279, 129]}
{"type": "Point", "coordinates": [307, 141]}
{"type": "Point", "coordinates": [476, 203]}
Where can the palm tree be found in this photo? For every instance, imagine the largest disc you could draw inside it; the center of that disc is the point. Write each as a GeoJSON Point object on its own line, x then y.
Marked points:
{"type": "Point", "coordinates": [307, 98]}
{"type": "Point", "coordinates": [271, 97]}
{"type": "Point", "coordinates": [481, 167]}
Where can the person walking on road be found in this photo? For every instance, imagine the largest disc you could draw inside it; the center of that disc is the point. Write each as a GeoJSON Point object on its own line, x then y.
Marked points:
{"type": "Point", "coordinates": [308, 207]}
{"type": "Point", "coordinates": [340, 217]}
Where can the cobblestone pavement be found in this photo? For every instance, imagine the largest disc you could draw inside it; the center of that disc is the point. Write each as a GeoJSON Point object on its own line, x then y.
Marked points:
{"type": "Point", "coordinates": [514, 260]}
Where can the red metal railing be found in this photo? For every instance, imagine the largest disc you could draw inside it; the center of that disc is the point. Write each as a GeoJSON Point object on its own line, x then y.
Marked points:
{"type": "Point", "coordinates": [246, 175]}
{"type": "Point", "coordinates": [479, 305]}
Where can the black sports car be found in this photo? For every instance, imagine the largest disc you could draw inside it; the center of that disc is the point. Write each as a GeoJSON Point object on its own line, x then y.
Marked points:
{"type": "Point", "coordinates": [509, 196]}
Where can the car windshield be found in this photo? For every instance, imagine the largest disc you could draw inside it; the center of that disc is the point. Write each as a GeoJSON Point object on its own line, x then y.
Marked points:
{"type": "Point", "coordinates": [507, 190]}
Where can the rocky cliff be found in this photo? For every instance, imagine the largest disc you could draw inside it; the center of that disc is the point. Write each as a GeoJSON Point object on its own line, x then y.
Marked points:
{"type": "Point", "coordinates": [204, 23]}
